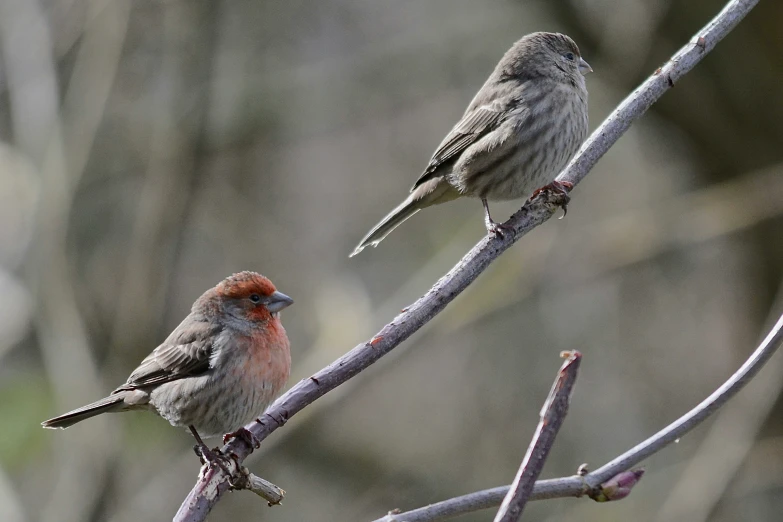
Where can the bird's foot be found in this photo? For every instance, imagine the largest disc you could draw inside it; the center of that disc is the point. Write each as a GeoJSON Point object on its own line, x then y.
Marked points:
{"type": "Point", "coordinates": [211, 457]}
{"type": "Point", "coordinates": [244, 434]}
{"type": "Point", "coordinates": [208, 456]}
{"type": "Point", "coordinates": [498, 229]}
{"type": "Point", "coordinates": [557, 191]}
{"type": "Point", "coordinates": [215, 457]}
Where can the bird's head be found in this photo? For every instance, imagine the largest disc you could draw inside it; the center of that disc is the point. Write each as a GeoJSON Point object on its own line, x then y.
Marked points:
{"type": "Point", "coordinates": [246, 296]}
{"type": "Point", "coordinates": [544, 54]}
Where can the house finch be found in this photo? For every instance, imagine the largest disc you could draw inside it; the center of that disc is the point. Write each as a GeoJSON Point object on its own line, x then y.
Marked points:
{"type": "Point", "coordinates": [217, 371]}
{"type": "Point", "coordinates": [521, 129]}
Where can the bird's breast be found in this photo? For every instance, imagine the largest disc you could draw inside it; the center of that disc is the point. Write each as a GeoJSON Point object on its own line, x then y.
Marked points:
{"type": "Point", "coordinates": [267, 359]}
{"type": "Point", "coordinates": [528, 150]}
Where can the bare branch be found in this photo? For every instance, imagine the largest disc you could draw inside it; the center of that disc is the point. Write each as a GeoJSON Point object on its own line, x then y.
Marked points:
{"type": "Point", "coordinates": [553, 414]}
{"type": "Point", "coordinates": [697, 415]}
{"type": "Point", "coordinates": [265, 489]}
{"type": "Point", "coordinates": [488, 498]}
{"type": "Point", "coordinates": [536, 211]}
{"type": "Point", "coordinates": [597, 485]}
{"type": "Point", "coordinates": [726, 444]}
{"type": "Point", "coordinates": [663, 79]}
{"type": "Point", "coordinates": [239, 478]}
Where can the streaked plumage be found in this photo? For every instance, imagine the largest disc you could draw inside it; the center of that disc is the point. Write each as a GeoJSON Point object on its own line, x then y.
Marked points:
{"type": "Point", "coordinates": [518, 133]}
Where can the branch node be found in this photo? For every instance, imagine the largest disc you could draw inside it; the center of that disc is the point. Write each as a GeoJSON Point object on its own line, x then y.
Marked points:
{"type": "Point", "coordinates": [280, 418]}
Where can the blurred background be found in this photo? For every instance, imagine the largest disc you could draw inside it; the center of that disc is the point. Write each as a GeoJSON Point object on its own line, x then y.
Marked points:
{"type": "Point", "coordinates": [148, 149]}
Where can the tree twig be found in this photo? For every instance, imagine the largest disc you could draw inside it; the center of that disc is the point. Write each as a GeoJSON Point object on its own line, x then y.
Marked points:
{"type": "Point", "coordinates": [213, 484]}
{"type": "Point", "coordinates": [553, 414]}
{"type": "Point", "coordinates": [725, 445]}
{"type": "Point", "coordinates": [243, 479]}
{"type": "Point", "coordinates": [594, 484]}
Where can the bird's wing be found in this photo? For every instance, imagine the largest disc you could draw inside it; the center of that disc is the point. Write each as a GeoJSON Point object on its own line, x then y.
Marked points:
{"type": "Point", "coordinates": [473, 125]}
{"type": "Point", "coordinates": [185, 353]}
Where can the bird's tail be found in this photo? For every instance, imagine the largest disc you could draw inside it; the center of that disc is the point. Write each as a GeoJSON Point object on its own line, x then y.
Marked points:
{"type": "Point", "coordinates": [394, 219]}
{"type": "Point", "coordinates": [113, 402]}
{"type": "Point", "coordinates": [432, 192]}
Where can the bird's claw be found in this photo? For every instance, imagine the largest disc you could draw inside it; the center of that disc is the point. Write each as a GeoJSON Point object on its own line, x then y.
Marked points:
{"type": "Point", "coordinates": [244, 473]}
{"type": "Point", "coordinates": [244, 434]}
{"type": "Point", "coordinates": [202, 452]}
{"type": "Point", "coordinates": [558, 194]}
{"type": "Point", "coordinates": [211, 457]}
{"type": "Point", "coordinates": [498, 229]}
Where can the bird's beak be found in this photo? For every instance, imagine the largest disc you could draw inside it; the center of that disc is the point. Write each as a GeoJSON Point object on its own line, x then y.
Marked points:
{"type": "Point", "coordinates": [584, 67]}
{"type": "Point", "coordinates": [277, 301]}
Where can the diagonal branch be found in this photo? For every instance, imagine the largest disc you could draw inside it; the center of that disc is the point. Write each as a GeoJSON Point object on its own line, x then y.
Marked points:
{"type": "Point", "coordinates": [594, 484]}
{"type": "Point", "coordinates": [213, 483]}
{"type": "Point", "coordinates": [553, 414]}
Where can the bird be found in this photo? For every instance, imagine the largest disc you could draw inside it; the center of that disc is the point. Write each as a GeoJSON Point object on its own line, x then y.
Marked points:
{"type": "Point", "coordinates": [521, 129]}
{"type": "Point", "coordinates": [217, 371]}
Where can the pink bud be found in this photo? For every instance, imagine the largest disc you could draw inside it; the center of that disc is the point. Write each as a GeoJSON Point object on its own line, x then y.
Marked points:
{"type": "Point", "coordinates": [618, 487]}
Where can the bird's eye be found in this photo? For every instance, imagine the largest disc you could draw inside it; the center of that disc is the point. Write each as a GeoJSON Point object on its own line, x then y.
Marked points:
{"type": "Point", "coordinates": [570, 56]}
{"type": "Point", "coordinates": [255, 298]}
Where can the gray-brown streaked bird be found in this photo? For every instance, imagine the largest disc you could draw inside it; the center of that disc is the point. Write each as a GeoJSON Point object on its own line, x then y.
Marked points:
{"type": "Point", "coordinates": [521, 129]}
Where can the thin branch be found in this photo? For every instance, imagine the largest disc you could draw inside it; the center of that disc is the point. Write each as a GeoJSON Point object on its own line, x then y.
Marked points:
{"type": "Point", "coordinates": [663, 79]}
{"type": "Point", "coordinates": [696, 416]}
{"type": "Point", "coordinates": [213, 483]}
{"type": "Point", "coordinates": [595, 484]}
{"type": "Point", "coordinates": [553, 414]}
{"type": "Point", "coordinates": [726, 444]}
{"type": "Point", "coordinates": [243, 479]}
{"type": "Point", "coordinates": [263, 488]}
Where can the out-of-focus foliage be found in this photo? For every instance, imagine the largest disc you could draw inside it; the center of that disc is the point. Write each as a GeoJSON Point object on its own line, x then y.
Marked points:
{"type": "Point", "coordinates": [151, 148]}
